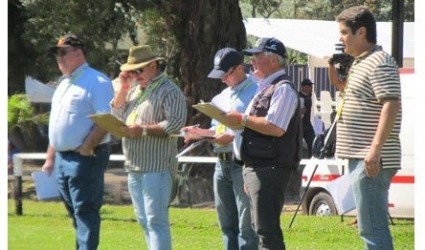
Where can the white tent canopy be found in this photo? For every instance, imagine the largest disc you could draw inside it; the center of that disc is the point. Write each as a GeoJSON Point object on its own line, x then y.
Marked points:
{"type": "Point", "coordinates": [37, 91]}
{"type": "Point", "coordinates": [318, 38]}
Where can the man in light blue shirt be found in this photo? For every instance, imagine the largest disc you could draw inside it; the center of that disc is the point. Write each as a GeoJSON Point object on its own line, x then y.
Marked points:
{"type": "Point", "coordinates": [78, 149]}
{"type": "Point", "coordinates": [231, 201]}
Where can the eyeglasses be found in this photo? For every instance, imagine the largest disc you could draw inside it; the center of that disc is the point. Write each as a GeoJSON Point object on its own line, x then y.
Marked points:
{"type": "Point", "coordinates": [137, 71]}
{"type": "Point", "coordinates": [64, 52]}
{"type": "Point", "coordinates": [229, 72]}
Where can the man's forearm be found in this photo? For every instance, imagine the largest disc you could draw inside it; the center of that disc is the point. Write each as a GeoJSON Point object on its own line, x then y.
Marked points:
{"type": "Point", "coordinates": [261, 125]}
{"type": "Point", "coordinates": [386, 122]}
{"type": "Point", "coordinates": [94, 138]}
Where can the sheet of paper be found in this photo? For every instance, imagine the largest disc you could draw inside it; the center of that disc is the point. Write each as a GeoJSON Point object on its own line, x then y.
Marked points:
{"type": "Point", "coordinates": [110, 123]}
{"type": "Point", "coordinates": [45, 185]}
{"type": "Point", "coordinates": [189, 148]}
{"type": "Point", "coordinates": [342, 194]}
{"type": "Point", "coordinates": [214, 112]}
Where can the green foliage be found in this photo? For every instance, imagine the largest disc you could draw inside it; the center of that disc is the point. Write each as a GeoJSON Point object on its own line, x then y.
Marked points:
{"type": "Point", "coordinates": [47, 226]}
{"type": "Point", "coordinates": [295, 57]}
{"type": "Point", "coordinates": [19, 109]}
{"type": "Point", "coordinates": [101, 24]}
{"type": "Point", "coordinates": [320, 10]}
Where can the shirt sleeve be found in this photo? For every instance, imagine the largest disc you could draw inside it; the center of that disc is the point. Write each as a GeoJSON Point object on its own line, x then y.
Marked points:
{"type": "Point", "coordinates": [282, 106]}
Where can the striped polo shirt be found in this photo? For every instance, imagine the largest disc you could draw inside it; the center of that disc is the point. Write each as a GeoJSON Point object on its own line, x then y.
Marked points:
{"type": "Point", "coordinates": [373, 77]}
{"type": "Point", "coordinates": [165, 106]}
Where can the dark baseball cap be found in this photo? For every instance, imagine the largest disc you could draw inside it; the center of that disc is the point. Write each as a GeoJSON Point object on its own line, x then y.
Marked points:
{"type": "Point", "coordinates": [267, 44]}
{"type": "Point", "coordinates": [69, 40]}
{"type": "Point", "coordinates": [224, 59]}
{"type": "Point", "coordinates": [307, 82]}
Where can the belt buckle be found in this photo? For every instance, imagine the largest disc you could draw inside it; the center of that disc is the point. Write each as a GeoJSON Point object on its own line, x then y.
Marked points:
{"type": "Point", "coordinates": [224, 156]}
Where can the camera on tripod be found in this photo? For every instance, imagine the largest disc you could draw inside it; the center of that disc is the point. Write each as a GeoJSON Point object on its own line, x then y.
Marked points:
{"type": "Point", "coordinates": [342, 59]}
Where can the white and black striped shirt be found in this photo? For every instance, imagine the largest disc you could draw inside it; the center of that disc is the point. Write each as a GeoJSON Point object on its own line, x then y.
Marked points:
{"type": "Point", "coordinates": [373, 78]}
{"type": "Point", "coordinates": [165, 106]}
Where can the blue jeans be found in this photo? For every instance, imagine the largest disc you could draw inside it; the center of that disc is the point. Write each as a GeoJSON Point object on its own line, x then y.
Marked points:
{"type": "Point", "coordinates": [150, 195]}
{"type": "Point", "coordinates": [266, 190]}
{"type": "Point", "coordinates": [371, 197]}
{"type": "Point", "coordinates": [233, 207]}
{"type": "Point", "coordinates": [80, 181]}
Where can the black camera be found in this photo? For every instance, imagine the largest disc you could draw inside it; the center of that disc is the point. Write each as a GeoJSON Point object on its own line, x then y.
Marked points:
{"type": "Point", "coordinates": [342, 59]}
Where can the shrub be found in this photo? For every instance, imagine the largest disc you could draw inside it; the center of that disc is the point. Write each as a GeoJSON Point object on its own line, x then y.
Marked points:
{"type": "Point", "coordinates": [19, 109]}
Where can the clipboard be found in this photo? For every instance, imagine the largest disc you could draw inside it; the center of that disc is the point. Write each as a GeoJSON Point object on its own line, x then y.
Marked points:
{"type": "Point", "coordinates": [214, 112]}
{"type": "Point", "coordinates": [342, 194]}
{"type": "Point", "coordinates": [109, 123]}
{"type": "Point", "coordinates": [189, 148]}
{"type": "Point", "coordinates": [45, 185]}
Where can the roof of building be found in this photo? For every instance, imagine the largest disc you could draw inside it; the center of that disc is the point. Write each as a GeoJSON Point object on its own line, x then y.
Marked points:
{"type": "Point", "coordinates": [318, 37]}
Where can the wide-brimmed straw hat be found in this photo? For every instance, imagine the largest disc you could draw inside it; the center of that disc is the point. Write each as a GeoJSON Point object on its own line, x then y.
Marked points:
{"type": "Point", "coordinates": [139, 57]}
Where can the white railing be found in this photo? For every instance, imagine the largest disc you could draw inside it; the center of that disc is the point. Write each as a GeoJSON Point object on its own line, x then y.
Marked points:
{"type": "Point", "coordinates": [19, 158]}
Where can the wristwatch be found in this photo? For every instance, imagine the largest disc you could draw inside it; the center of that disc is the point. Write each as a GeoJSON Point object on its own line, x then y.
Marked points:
{"type": "Point", "coordinates": [144, 131]}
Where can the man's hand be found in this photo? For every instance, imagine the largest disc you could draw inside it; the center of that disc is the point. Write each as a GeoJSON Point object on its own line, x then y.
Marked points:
{"type": "Point", "coordinates": [233, 118]}
{"type": "Point", "coordinates": [224, 139]}
{"type": "Point", "coordinates": [125, 80]}
{"type": "Point", "coordinates": [85, 150]}
{"type": "Point", "coordinates": [48, 166]}
{"type": "Point", "coordinates": [132, 131]}
{"type": "Point", "coordinates": [373, 162]}
{"type": "Point", "coordinates": [192, 133]}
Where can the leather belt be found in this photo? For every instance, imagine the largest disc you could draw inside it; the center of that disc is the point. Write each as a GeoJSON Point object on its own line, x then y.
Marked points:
{"type": "Point", "coordinates": [98, 147]}
{"type": "Point", "coordinates": [229, 157]}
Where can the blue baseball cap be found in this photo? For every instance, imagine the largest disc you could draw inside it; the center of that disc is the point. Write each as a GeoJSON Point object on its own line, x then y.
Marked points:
{"type": "Point", "coordinates": [267, 44]}
{"type": "Point", "coordinates": [224, 59]}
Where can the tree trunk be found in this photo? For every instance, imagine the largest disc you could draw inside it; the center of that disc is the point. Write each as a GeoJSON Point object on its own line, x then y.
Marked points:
{"type": "Point", "coordinates": [201, 27]}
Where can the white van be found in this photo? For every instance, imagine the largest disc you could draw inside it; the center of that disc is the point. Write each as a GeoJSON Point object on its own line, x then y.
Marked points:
{"type": "Point", "coordinates": [318, 199]}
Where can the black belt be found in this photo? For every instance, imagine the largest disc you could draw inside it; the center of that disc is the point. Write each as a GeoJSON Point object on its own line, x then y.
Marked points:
{"type": "Point", "coordinates": [228, 157]}
{"type": "Point", "coordinates": [98, 147]}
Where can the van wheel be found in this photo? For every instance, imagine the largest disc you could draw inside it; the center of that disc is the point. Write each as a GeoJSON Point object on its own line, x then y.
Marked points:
{"type": "Point", "coordinates": [322, 205]}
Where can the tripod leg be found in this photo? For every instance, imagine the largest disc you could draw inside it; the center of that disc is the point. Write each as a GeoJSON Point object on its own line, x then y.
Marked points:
{"type": "Point", "coordinates": [391, 219]}
{"type": "Point", "coordinates": [304, 194]}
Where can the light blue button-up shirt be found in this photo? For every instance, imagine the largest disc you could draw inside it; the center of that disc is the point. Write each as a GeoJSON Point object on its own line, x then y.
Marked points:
{"type": "Point", "coordinates": [236, 99]}
{"type": "Point", "coordinates": [86, 91]}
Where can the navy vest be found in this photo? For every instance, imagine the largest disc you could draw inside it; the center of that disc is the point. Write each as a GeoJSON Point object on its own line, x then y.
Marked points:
{"type": "Point", "coordinates": [259, 150]}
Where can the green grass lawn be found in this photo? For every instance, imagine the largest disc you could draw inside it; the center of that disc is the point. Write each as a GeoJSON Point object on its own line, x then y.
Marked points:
{"type": "Point", "coordinates": [45, 225]}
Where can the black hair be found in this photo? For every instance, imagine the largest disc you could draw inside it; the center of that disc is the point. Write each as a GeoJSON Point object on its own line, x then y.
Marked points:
{"type": "Point", "coordinates": [359, 16]}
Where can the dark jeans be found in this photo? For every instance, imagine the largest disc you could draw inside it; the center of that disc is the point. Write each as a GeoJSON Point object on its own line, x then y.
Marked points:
{"type": "Point", "coordinates": [266, 190]}
{"type": "Point", "coordinates": [308, 135]}
{"type": "Point", "coordinates": [80, 181]}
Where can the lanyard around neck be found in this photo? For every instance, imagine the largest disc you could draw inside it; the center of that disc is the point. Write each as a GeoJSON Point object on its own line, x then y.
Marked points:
{"type": "Point", "coordinates": [143, 95]}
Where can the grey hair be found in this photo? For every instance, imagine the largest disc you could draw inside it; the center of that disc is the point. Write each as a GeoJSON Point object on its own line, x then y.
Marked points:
{"type": "Point", "coordinates": [282, 60]}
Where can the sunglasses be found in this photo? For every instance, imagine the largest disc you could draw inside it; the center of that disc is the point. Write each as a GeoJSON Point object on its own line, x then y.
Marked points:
{"type": "Point", "coordinates": [229, 72]}
{"type": "Point", "coordinates": [64, 52]}
{"type": "Point", "coordinates": [137, 71]}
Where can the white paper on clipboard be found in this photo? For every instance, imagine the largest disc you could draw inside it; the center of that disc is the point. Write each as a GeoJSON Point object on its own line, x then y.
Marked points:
{"type": "Point", "coordinates": [189, 148]}
{"type": "Point", "coordinates": [45, 185]}
{"type": "Point", "coordinates": [342, 194]}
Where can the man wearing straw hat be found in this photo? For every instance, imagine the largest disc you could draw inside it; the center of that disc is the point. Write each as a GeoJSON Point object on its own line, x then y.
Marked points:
{"type": "Point", "coordinates": [154, 108]}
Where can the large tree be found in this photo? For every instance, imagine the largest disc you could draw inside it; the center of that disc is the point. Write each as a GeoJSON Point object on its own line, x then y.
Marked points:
{"type": "Point", "coordinates": [187, 33]}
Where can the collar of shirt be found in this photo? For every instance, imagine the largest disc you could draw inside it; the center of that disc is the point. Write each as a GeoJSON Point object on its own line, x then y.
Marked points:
{"type": "Point", "coordinates": [365, 54]}
{"type": "Point", "coordinates": [241, 86]}
{"type": "Point", "coordinates": [269, 79]}
{"type": "Point", "coordinates": [77, 70]}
